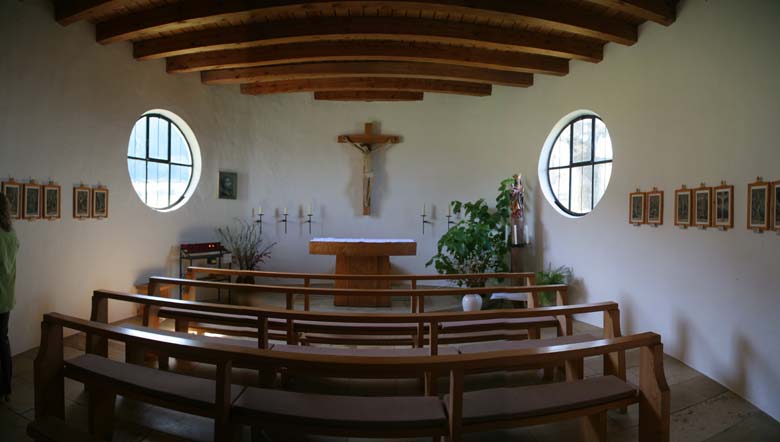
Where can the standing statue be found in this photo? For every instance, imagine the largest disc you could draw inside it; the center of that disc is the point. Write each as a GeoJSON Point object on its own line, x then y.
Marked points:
{"type": "Point", "coordinates": [517, 206]}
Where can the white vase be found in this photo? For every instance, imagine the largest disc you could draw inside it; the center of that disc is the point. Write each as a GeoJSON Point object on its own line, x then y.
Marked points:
{"type": "Point", "coordinates": [472, 303]}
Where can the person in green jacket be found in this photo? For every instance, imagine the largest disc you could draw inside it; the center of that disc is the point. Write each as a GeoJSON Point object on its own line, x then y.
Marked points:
{"type": "Point", "coordinates": [9, 245]}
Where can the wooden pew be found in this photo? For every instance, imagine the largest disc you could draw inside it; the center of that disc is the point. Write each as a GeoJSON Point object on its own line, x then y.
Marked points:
{"type": "Point", "coordinates": [321, 333]}
{"type": "Point", "coordinates": [416, 304]}
{"type": "Point", "coordinates": [308, 413]}
{"type": "Point", "coordinates": [427, 325]}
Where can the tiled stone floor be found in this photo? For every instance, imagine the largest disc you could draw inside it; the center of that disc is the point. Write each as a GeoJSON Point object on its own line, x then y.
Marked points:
{"type": "Point", "coordinates": [702, 409]}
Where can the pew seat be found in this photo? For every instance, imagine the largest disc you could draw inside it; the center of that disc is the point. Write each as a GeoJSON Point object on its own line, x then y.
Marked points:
{"type": "Point", "coordinates": [251, 343]}
{"type": "Point", "coordinates": [498, 324]}
{"type": "Point", "coordinates": [518, 345]}
{"type": "Point", "coordinates": [373, 352]}
{"type": "Point", "coordinates": [276, 408]}
{"type": "Point", "coordinates": [171, 390]}
{"type": "Point", "coordinates": [512, 404]}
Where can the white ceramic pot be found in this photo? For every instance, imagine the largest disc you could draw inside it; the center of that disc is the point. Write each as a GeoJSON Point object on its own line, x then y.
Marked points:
{"type": "Point", "coordinates": [472, 303]}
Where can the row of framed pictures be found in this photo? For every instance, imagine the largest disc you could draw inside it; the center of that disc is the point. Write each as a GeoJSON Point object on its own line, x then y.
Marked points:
{"type": "Point", "coordinates": [32, 201]}
{"type": "Point", "coordinates": [710, 206]}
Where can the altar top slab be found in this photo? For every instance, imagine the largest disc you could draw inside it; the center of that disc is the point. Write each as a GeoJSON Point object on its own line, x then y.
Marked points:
{"type": "Point", "coordinates": [362, 246]}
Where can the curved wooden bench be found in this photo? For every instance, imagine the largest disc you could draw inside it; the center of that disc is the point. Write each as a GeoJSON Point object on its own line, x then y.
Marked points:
{"type": "Point", "coordinates": [428, 324]}
{"type": "Point", "coordinates": [417, 303]}
{"type": "Point", "coordinates": [320, 414]}
{"type": "Point", "coordinates": [327, 334]}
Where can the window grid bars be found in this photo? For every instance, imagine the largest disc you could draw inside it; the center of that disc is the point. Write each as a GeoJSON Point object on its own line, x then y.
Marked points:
{"type": "Point", "coordinates": [168, 162]}
{"type": "Point", "coordinates": [592, 163]}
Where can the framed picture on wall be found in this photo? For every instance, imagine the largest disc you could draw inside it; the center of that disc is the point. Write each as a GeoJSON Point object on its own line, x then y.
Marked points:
{"type": "Point", "coordinates": [758, 206]}
{"type": "Point", "coordinates": [32, 201]}
{"type": "Point", "coordinates": [655, 207]}
{"type": "Point", "coordinates": [682, 207]}
{"type": "Point", "coordinates": [228, 185]}
{"type": "Point", "coordinates": [82, 202]}
{"type": "Point", "coordinates": [776, 206]}
{"type": "Point", "coordinates": [100, 202]}
{"type": "Point", "coordinates": [702, 207]}
{"type": "Point", "coordinates": [723, 206]}
{"type": "Point", "coordinates": [51, 201]}
{"type": "Point", "coordinates": [636, 209]}
{"type": "Point", "coordinates": [13, 191]}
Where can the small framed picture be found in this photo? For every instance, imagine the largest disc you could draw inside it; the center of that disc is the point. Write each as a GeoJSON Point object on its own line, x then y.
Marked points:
{"type": "Point", "coordinates": [723, 206]}
{"type": "Point", "coordinates": [32, 201]}
{"type": "Point", "coordinates": [13, 191]}
{"type": "Point", "coordinates": [100, 202]}
{"type": "Point", "coordinates": [758, 206]}
{"type": "Point", "coordinates": [682, 207]}
{"type": "Point", "coordinates": [82, 202]}
{"type": "Point", "coordinates": [228, 185]}
{"type": "Point", "coordinates": [655, 207]}
{"type": "Point", "coordinates": [776, 206]}
{"type": "Point", "coordinates": [636, 212]}
{"type": "Point", "coordinates": [51, 201]}
{"type": "Point", "coordinates": [702, 207]}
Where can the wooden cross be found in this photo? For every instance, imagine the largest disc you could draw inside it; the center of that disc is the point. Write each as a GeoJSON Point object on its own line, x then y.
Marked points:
{"type": "Point", "coordinates": [367, 143]}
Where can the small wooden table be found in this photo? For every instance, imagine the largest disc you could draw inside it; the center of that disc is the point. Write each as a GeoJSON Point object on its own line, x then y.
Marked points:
{"type": "Point", "coordinates": [362, 257]}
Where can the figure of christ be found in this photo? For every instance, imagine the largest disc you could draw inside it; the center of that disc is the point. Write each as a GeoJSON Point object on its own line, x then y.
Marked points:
{"type": "Point", "coordinates": [368, 143]}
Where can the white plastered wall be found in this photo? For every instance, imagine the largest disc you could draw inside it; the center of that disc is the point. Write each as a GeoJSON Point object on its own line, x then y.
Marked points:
{"type": "Point", "coordinates": [693, 102]}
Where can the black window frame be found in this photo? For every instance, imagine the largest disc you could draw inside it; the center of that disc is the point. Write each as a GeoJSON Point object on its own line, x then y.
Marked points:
{"type": "Point", "coordinates": [591, 162]}
{"type": "Point", "coordinates": [148, 159]}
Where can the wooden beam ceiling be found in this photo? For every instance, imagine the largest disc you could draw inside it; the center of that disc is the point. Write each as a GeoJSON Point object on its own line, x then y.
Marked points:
{"type": "Point", "coordinates": [548, 14]}
{"type": "Point", "coordinates": [369, 96]}
{"type": "Point", "coordinates": [366, 51]}
{"type": "Point", "coordinates": [368, 83]}
{"type": "Point", "coordinates": [368, 28]}
{"type": "Point", "coordinates": [660, 11]}
{"type": "Point", "coordinates": [302, 71]}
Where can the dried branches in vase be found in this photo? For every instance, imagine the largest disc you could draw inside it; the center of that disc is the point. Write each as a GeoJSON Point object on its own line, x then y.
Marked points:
{"type": "Point", "coordinates": [244, 241]}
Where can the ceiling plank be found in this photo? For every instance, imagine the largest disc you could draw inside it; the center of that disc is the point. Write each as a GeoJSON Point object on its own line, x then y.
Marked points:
{"type": "Point", "coordinates": [367, 28]}
{"type": "Point", "coordinates": [369, 96]}
{"type": "Point", "coordinates": [660, 11]}
{"type": "Point", "coordinates": [67, 12]}
{"type": "Point", "coordinates": [368, 51]}
{"type": "Point", "coordinates": [552, 14]}
{"type": "Point", "coordinates": [302, 71]}
{"type": "Point", "coordinates": [368, 83]}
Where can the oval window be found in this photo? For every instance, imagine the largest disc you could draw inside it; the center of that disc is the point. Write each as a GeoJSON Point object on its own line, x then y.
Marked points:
{"type": "Point", "coordinates": [576, 163]}
{"type": "Point", "coordinates": [163, 160]}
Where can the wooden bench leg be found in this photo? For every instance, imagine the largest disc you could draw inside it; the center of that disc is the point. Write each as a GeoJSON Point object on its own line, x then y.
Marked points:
{"type": "Point", "coordinates": [594, 427]}
{"type": "Point", "coordinates": [101, 413]}
{"type": "Point", "coordinates": [134, 354]}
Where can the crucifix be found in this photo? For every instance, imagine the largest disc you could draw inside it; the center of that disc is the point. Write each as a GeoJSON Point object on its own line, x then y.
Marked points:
{"type": "Point", "coordinates": [368, 143]}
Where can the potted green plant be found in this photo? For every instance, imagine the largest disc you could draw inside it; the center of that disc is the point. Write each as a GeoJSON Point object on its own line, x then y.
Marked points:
{"type": "Point", "coordinates": [550, 276]}
{"type": "Point", "coordinates": [477, 243]}
{"type": "Point", "coordinates": [244, 241]}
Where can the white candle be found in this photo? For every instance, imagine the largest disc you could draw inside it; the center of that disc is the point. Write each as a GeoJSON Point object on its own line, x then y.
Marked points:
{"type": "Point", "coordinates": [423, 212]}
{"type": "Point", "coordinates": [259, 210]}
{"type": "Point", "coordinates": [449, 209]}
{"type": "Point", "coordinates": [515, 239]}
{"type": "Point", "coordinates": [525, 234]}
{"type": "Point", "coordinates": [309, 210]}
{"type": "Point", "coordinates": [285, 210]}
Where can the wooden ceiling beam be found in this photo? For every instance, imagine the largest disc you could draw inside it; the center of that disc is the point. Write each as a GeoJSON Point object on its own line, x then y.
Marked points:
{"type": "Point", "coordinates": [368, 51]}
{"type": "Point", "coordinates": [663, 12]}
{"type": "Point", "coordinates": [369, 96]}
{"type": "Point", "coordinates": [368, 83]}
{"type": "Point", "coordinates": [367, 28]}
{"type": "Point", "coordinates": [303, 71]}
{"type": "Point", "coordinates": [176, 17]}
{"type": "Point", "coordinates": [67, 12]}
